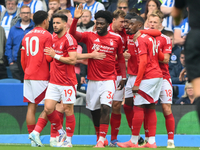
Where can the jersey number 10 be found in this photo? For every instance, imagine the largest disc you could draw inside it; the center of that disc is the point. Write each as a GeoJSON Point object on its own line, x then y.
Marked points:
{"type": "Point", "coordinates": [29, 44]}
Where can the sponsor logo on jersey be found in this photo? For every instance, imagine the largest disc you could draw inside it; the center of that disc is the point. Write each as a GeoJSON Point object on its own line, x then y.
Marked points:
{"type": "Point", "coordinates": [97, 40]}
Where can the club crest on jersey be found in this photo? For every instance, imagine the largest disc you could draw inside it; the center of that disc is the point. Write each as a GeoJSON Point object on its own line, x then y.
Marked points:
{"type": "Point", "coordinates": [53, 44]}
{"type": "Point", "coordinates": [111, 42]}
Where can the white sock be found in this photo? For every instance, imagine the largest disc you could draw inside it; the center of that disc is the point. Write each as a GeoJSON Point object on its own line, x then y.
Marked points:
{"type": "Point", "coordinates": [69, 139]}
{"type": "Point", "coordinates": [101, 138]}
{"type": "Point", "coordinates": [134, 139]}
{"type": "Point", "coordinates": [61, 131]}
{"type": "Point", "coordinates": [152, 140]}
{"type": "Point", "coordinates": [36, 133]}
{"type": "Point", "coordinates": [52, 138]}
{"type": "Point", "coordinates": [139, 137]}
{"type": "Point", "coordinates": [171, 141]}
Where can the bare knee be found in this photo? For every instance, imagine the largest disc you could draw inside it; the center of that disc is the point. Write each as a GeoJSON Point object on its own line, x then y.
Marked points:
{"type": "Point", "coordinates": [69, 109]}
{"type": "Point", "coordinates": [116, 107]}
{"type": "Point", "coordinates": [166, 109]}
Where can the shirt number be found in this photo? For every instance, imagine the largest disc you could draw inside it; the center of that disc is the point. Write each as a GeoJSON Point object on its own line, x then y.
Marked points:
{"type": "Point", "coordinates": [155, 47]}
{"type": "Point", "coordinates": [29, 44]}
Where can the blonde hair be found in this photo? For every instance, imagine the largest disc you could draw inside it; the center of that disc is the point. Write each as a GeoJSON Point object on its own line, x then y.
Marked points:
{"type": "Point", "coordinates": [86, 10]}
{"type": "Point", "coordinates": [187, 84]}
{"type": "Point", "coordinates": [122, 1]}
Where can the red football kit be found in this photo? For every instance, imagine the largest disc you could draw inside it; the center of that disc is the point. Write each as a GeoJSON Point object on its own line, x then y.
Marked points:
{"type": "Point", "coordinates": [124, 41]}
{"type": "Point", "coordinates": [34, 43]}
{"type": "Point", "coordinates": [61, 73]}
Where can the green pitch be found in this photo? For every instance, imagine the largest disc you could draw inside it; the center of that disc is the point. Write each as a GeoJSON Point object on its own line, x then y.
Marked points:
{"type": "Point", "coordinates": [27, 147]}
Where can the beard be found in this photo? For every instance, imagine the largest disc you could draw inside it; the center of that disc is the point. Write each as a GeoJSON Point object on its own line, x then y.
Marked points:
{"type": "Point", "coordinates": [57, 32]}
{"type": "Point", "coordinates": [11, 11]}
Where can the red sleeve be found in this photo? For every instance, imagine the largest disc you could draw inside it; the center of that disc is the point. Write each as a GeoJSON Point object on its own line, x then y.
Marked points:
{"type": "Point", "coordinates": [160, 55]}
{"type": "Point", "coordinates": [120, 58]}
{"type": "Point", "coordinates": [141, 69]}
{"type": "Point", "coordinates": [71, 43]}
{"type": "Point", "coordinates": [23, 60]}
{"type": "Point", "coordinates": [151, 32]}
{"type": "Point", "coordinates": [73, 32]}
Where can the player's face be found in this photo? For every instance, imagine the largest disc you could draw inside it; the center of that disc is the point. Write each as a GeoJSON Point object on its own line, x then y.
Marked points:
{"type": "Point", "coordinates": [133, 27]}
{"type": "Point", "coordinates": [154, 22]}
{"type": "Point", "coordinates": [25, 14]}
{"type": "Point", "coordinates": [58, 25]}
{"type": "Point", "coordinates": [47, 24]}
{"type": "Point", "coordinates": [119, 23]}
{"type": "Point", "coordinates": [101, 26]}
{"type": "Point", "coordinates": [70, 19]}
{"type": "Point", "coordinates": [54, 6]}
{"type": "Point", "coordinates": [86, 17]}
{"type": "Point", "coordinates": [126, 24]}
{"type": "Point", "coordinates": [152, 6]}
{"type": "Point", "coordinates": [11, 6]}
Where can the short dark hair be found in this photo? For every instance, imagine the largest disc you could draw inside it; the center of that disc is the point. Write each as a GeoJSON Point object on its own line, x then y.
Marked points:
{"type": "Point", "coordinates": [139, 18]}
{"type": "Point", "coordinates": [130, 15]}
{"type": "Point", "coordinates": [183, 52]}
{"type": "Point", "coordinates": [104, 14]}
{"type": "Point", "coordinates": [168, 33]}
{"type": "Point", "coordinates": [61, 16]}
{"type": "Point", "coordinates": [39, 17]}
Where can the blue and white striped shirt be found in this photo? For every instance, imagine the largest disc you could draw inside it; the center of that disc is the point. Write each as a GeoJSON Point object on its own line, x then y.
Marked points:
{"type": "Point", "coordinates": [184, 27]}
{"type": "Point", "coordinates": [94, 8]}
{"type": "Point", "coordinates": [6, 21]}
{"type": "Point", "coordinates": [168, 21]}
{"type": "Point", "coordinates": [35, 5]}
{"type": "Point", "coordinates": [2, 8]}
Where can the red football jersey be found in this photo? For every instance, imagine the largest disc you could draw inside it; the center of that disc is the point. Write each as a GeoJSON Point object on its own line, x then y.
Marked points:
{"type": "Point", "coordinates": [61, 73]}
{"type": "Point", "coordinates": [145, 45]}
{"type": "Point", "coordinates": [132, 61]}
{"type": "Point", "coordinates": [164, 43]}
{"type": "Point", "coordinates": [110, 44]}
{"type": "Point", "coordinates": [34, 43]}
{"type": "Point", "coordinates": [124, 40]}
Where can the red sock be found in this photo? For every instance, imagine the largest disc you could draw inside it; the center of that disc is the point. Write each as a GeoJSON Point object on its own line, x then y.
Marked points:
{"type": "Point", "coordinates": [103, 129]}
{"type": "Point", "coordinates": [137, 120]}
{"type": "Point", "coordinates": [41, 123]}
{"type": "Point", "coordinates": [70, 125]}
{"type": "Point", "coordinates": [152, 121]}
{"type": "Point", "coordinates": [55, 120]}
{"type": "Point", "coordinates": [115, 122]}
{"type": "Point", "coordinates": [170, 125]}
{"type": "Point", "coordinates": [97, 132]}
{"type": "Point", "coordinates": [30, 128]}
{"type": "Point", "coordinates": [54, 132]}
{"type": "Point", "coordinates": [128, 110]}
{"type": "Point", "coordinates": [145, 123]}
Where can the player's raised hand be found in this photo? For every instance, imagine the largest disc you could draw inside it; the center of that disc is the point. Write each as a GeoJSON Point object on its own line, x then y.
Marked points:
{"type": "Point", "coordinates": [135, 89]}
{"type": "Point", "coordinates": [78, 11]}
{"type": "Point", "coordinates": [49, 51]}
{"type": "Point", "coordinates": [98, 55]}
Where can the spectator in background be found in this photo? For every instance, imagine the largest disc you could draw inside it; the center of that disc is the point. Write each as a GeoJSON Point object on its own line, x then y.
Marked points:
{"type": "Point", "coordinates": [34, 5]}
{"type": "Point", "coordinates": [166, 8]}
{"type": "Point", "coordinates": [188, 96]}
{"type": "Point", "coordinates": [181, 31]}
{"type": "Point", "coordinates": [93, 6]}
{"type": "Point", "coordinates": [3, 72]}
{"type": "Point", "coordinates": [177, 70]}
{"type": "Point", "coordinates": [141, 6]}
{"type": "Point", "coordinates": [2, 8]}
{"type": "Point", "coordinates": [176, 51]}
{"type": "Point", "coordinates": [151, 6]}
{"type": "Point", "coordinates": [17, 32]}
{"type": "Point", "coordinates": [54, 6]}
{"type": "Point", "coordinates": [86, 23]}
{"type": "Point", "coordinates": [69, 5]}
{"type": "Point", "coordinates": [123, 5]}
{"type": "Point", "coordinates": [8, 15]}
{"type": "Point", "coordinates": [134, 10]}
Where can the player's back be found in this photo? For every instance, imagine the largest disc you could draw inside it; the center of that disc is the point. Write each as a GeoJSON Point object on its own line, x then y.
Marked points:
{"type": "Point", "coordinates": [147, 45]}
{"type": "Point", "coordinates": [34, 43]}
{"type": "Point", "coordinates": [165, 45]}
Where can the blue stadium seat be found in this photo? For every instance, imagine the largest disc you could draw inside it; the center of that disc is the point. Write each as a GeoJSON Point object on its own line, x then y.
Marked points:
{"type": "Point", "coordinates": [9, 80]}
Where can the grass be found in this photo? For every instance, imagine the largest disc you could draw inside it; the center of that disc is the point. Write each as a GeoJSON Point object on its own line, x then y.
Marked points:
{"type": "Point", "coordinates": [76, 147]}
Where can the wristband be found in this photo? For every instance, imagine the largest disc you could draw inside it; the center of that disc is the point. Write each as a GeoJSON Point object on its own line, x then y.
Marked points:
{"type": "Point", "coordinates": [57, 56]}
{"type": "Point", "coordinates": [123, 78]}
